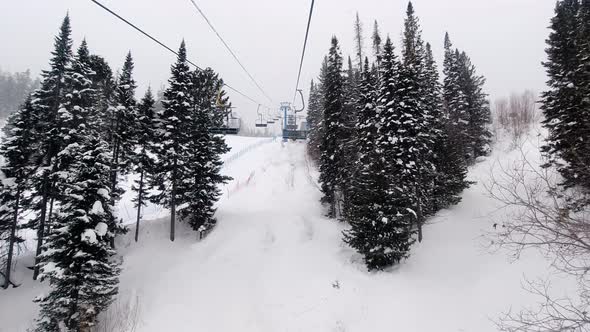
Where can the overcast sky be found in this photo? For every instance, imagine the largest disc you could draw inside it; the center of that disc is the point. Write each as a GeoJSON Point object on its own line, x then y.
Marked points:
{"type": "Point", "coordinates": [504, 38]}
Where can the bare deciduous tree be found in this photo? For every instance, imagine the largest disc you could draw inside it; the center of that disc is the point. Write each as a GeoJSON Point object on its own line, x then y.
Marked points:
{"type": "Point", "coordinates": [516, 114]}
{"type": "Point", "coordinates": [547, 218]}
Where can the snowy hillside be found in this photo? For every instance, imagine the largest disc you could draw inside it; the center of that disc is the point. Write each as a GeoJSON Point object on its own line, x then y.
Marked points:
{"type": "Point", "coordinates": [274, 263]}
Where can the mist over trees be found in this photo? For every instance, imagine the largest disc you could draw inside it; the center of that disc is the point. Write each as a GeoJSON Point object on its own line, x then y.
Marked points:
{"type": "Point", "coordinates": [14, 87]}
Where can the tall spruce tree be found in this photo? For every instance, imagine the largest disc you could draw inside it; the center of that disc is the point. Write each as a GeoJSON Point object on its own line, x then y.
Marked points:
{"type": "Point", "coordinates": [331, 159]}
{"type": "Point", "coordinates": [142, 158]}
{"type": "Point", "coordinates": [583, 77]}
{"type": "Point", "coordinates": [314, 121]}
{"type": "Point", "coordinates": [358, 41]}
{"type": "Point", "coordinates": [391, 238]}
{"type": "Point", "coordinates": [417, 129]}
{"type": "Point", "coordinates": [565, 103]}
{"type": "Point", "coordinates": [201, 189]}
{"type": "Point", "coordinates": [478, 108]}
{"type": "Point", "coordinates": [451, 170]}
{"type": "Point", "coordinates": [104, 85]}
{"type": "Point", "coordinates": [465, 104]}
{"type": "Point", "coordinates": [348, 136]}
{"type": "Point", "coordinates": [78, 258]}
{"type": "Point", "coordinates": [46, 104]}
{"type": "Point", "coordinates": [16, 150]}
{"type": "Point", "coordinates": [376, 39]}
{"type": "Point", "coordinates": [173, 137]}
{"type": "Point", "coordinates": [454, 101]}
{"type": "Point", "coordinates": [122, 131]}
{"type": "Point", "coordinates": [371, 233]}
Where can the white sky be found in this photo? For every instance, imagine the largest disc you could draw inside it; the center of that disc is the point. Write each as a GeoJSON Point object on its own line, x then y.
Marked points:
{"type": "Point", "coordinates": [505, 38]}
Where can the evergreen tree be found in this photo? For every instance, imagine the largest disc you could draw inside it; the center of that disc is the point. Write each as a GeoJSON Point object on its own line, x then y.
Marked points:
{"type": "Point", "coordinates": [331, 159]}
{"type": "Point", "coordinates": [173, 149]}
{"type": "Point", "coordinates": [348, 137]}
{"type": "Point", "coordinates": [369, 234]}
{"type": "Point", "coordinates": [358, 41]}
{"type": "Point", "coordinates": [314, 121]}
{"type": "Point", "coordinates": [451, 170]}
{"type": "Point", "coordinates": [566, 100]}
{"type": "Point", "coordinates": [465, 104]}
{"type": "Point", "coordinates": [454, 101]}
{"type": "Point", "coordinates": [16, 151]}
{"type": "Point", "coordinates": [104, 85]}
{"type": "Point", "coordinates": [382, 224]}
{"type": "Point", "coordinates": [376, 38]}
{"type": "Point", "coordinates": [78, 259]}
{"type": "Point", "coordinates": [201, 189]}
{"type": "Point", "coordinates": [122, 131]}
{"type": "Point", "coordinates": [583, 77]}
{"type": "Point", "coordinates": [417, 128]}
{"type": "Point", "coordinates": [317, 132]}
{"type": "Point", "coordinates": [478, 109]}
{"type": "Point", "coordinates": [142, 158]}
{"type": "Point", "coordinates": [46, 104]}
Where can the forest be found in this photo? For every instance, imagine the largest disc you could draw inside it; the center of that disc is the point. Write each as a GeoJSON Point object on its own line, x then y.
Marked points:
{"type": "Point", "coordinates": [392, 141]}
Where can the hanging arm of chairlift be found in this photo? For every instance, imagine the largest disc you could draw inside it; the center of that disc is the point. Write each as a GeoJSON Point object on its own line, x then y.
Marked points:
{"type": "Point", "coordinates": [302, 101]}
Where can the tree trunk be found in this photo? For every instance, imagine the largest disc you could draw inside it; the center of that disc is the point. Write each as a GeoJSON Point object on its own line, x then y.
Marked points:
{"type": "Point", "coordinates": [173, 203]}
{"type": "Point", "coordinates": [41, 226]}
{"type": "Point", "coordinates": [51, 201]}
{"type": "Point", "coordinates": [419, 218]}
{"type": "Point", "coordinates": [139, 202]}
{"type": "Point", "coordinates": [12, 238]}
{"type": "Point", "coordinates": [114, 168]}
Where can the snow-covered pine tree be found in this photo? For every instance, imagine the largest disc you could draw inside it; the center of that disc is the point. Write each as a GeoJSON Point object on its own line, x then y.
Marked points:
{"type": "Point", "coordinates": [358, 41]}
{"type": "Point", "coordinates": [583, 76]}
{"type": "Point", "coordinates": [201, 189]}
{"type": "Point", "coordinates": [46, 103]}
{"type": "Point", "coordinates": [77, 259]}
{"type": "Point", "coordinates": [314, 121]}
{"type": "Point", "coordinates": [564, 102]}
{"type": "Point", "coordinates": [331, 159]}
{"type": "Point", "coordinates": [478, 108]}
{"type": "Point", "coordinates": [104, 85]}
{"type": "Point", "coordinates": [376, 39]}
{"type": "Point", "coordinates": [391, 236]}
{"type": "Point", "coordinates": [451, 170]}
{"type": "Point", "coordinates": [348, 136]}
{"type": "Point", "coordinates": [142, 158]}
{"type": "Point", "coordinates": [316, 130]}
{"type": "Point", "coordinates": [465, 104]}
{"type": "Point", "coordinates": [18, 146]}
{"type": "Point", "coordinates": [371, 234]}
{"type": "Point", "coordinates": [417, 128]}
{"type": "Point", "coordinates": [173, 136]}
{"type": "Point", "coordinates": [122, 129]}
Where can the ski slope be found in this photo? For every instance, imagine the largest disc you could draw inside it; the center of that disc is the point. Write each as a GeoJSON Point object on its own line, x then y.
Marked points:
{"type": "Point", "coordinates": [274, 263]}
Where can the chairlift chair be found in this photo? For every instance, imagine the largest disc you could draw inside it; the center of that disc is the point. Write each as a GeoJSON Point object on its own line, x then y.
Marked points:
{"type": "Point", "coordinates": [260, 123]}
{"type": "Point", "coordinates": [290, 128]}
{"type": "Point", "coordinates": [232, 124]}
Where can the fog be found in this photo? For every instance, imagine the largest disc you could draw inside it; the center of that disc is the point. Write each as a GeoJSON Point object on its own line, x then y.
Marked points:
{"type": "Point", "coordinates": [505, 38]}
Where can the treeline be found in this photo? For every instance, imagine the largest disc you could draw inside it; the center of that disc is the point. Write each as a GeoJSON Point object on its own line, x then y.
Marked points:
{"type": "Point", "coordinates": [66, 151]}
{"type": "Point", "coordinates": [392, 141]}
{"type": "Point", "coordinates": [13, 90]}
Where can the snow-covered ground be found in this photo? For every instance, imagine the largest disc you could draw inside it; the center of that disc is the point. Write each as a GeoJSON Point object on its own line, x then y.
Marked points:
{"type": "Point", "coordinates": [274, 263]}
